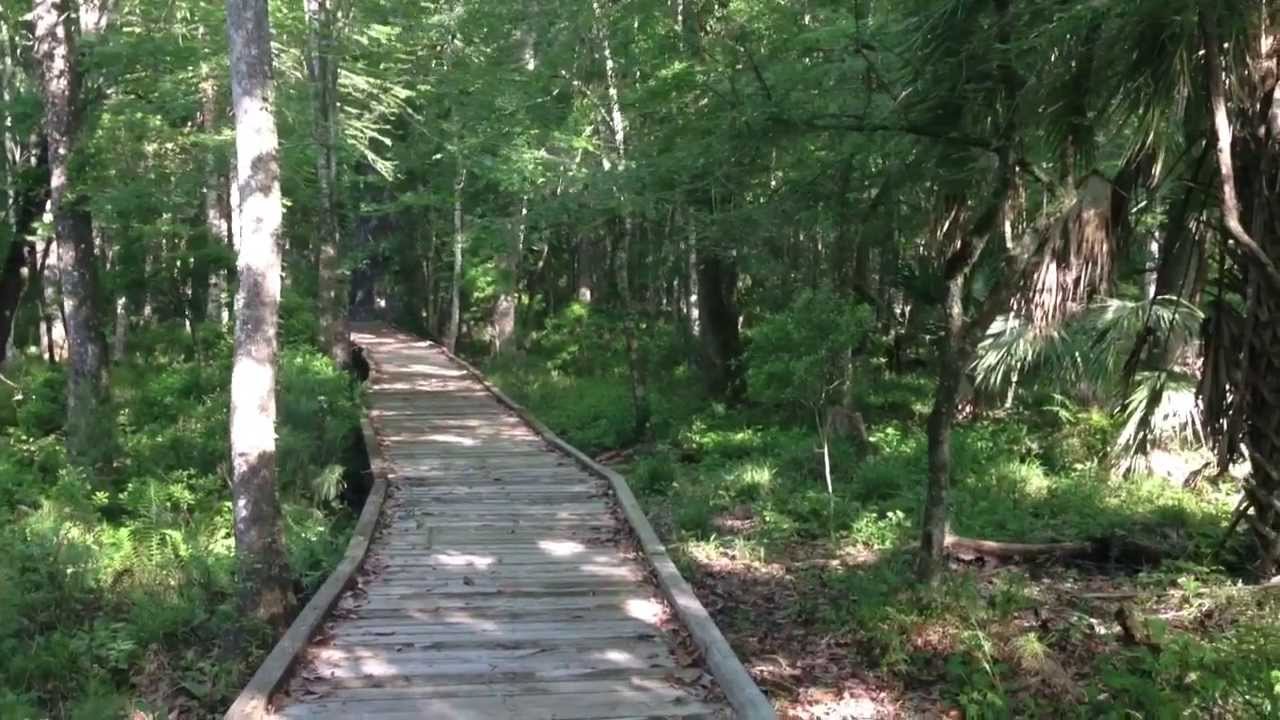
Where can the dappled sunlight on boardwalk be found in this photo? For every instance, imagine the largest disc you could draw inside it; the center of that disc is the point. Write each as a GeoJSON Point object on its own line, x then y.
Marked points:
{"type": "Point", "coordinates": [499, 585]}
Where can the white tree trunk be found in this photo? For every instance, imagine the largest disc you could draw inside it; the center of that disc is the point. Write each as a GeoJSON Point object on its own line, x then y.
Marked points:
{"type": "Point", "coordinates": [459, 240]}
{"type": "Point", "coordinates": [266, 589]}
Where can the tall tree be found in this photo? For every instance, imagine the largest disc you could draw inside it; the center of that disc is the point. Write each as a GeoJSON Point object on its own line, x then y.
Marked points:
{"type": "Point", "coordinates": [459, 243]}
{"type": "Point", "coordinates": [266, 585]}
{"type": "Point", "coordinates": [616, 159]}
{"type": "Point", "coordinates": [216, 212]}
{"type": "Point", "coordinates": [58, 59]}
{"type": "Point", "coordinates": [322, 71]}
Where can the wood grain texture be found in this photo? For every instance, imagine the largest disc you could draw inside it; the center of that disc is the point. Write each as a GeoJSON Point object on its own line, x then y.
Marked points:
{"type": "Point", "coordinates": [499, 585]}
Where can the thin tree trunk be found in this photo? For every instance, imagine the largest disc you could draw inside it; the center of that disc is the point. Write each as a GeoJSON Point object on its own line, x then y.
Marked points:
{"type": "Point", "coordinates": [952, 363]}
{"type": "Point", "coordinates": [217, 224]}
{"type": "Point", "coordinates": [55, 53]}
{"type": "Point", "coordinates": [960, 337]}
{"type": "Point", "coordinates": [322, 68]}
{"type": "Point", "coordinates": [25, 203]}
{"type": "Point", "coordinates": [459, 240]}
{"type": "Point", "coordinates": [120, 330]}
{"type": "Point", "coordinates": [433, 307]}
{"type": "Point", "coordinates": [617, 123]}
{"type": "Point", "coordinates": [503, 320]}
{"type": "Point", "coordinates": [265, 583]}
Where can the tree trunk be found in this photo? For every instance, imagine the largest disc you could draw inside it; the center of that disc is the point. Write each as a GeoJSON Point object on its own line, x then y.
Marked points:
{"type": "Point", "coordinates": [55, 53]}
{"type": "Point", "coordinates": [631, 331]}
{"type": "Point", "coordinates": [717, 280]}
{"type": "Point", "coordinates": [503, 319]}
{"type": "Point", "coordinates": [617, 124]}
{"type": "Point", "coordinates": [265, 583]}
{"type": "Point", "coordinates": [1258, 248]}
{"type": "Point", "coordinates": [952, 363]}
{"type": "Point", "coordinates": [433, 308]}
{"type": "Point", "coordinates": [584, 270]}
{"type": "Point", "coordinates": [27, 203]}
{"type": "Point", "coordinates": [217, 224]}
{"type": "Point", "coordinates": [459, 239]}
{"type": "Point", "coordinates": [322, 69]}
{"type": "Point", "coordinates": [13, 279]}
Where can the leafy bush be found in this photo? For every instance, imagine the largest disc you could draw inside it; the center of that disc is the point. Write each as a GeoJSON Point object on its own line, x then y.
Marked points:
{"type": "Point", "coordinates": [800, 356]}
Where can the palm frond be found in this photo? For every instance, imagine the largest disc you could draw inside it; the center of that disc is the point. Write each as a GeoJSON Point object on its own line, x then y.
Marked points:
{"type": "Point", "coordinates": [1161, 410]}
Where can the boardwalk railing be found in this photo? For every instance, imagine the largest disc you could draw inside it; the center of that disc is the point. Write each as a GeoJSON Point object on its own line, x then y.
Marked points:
{"type": "Point", "coordinates": [496, 586]}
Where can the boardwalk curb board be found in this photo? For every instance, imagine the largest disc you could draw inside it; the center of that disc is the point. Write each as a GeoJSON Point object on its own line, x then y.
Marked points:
{"type": "Point", "coordinates": [748, 702]}
{"type": "Point", "coordinates": [254, 701]}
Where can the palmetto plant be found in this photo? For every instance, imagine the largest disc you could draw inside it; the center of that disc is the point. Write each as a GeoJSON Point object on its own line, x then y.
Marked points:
{"type": "Point", "coordinates": [1156, 406]}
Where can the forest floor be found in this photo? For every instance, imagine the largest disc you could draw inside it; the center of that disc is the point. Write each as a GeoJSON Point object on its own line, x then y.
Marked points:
{"type": "Point", "coordinates": [817, 593]}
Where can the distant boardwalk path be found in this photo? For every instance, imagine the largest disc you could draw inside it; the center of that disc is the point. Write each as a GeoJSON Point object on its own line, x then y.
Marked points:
{"type": "Point", "coordinates": [499, 584]}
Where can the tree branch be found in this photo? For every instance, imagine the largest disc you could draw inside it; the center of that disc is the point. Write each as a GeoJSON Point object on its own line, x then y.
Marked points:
{"type": "Point", "coordinates": [1226, 167]}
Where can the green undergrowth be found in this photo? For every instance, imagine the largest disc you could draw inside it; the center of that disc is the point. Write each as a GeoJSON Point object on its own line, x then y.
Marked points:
{"type": "Point", "coordinates": [738, 493]}
{"type": "Point", "coordinates": [117, 584]}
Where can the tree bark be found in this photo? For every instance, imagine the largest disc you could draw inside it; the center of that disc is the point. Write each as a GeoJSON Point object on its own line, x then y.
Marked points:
{"type": "Point", "coordinates": [459, 240]}
{"type": "Point", "coordinates": [56, 55]}
{"type": "Point", "coordinates": [503, 319]}
{"type": "Point", "coordinates": [265, 584]}
{"type": "Point", "coordinates": [322, 69]}
{"type": "Point", "coordinates": [954, 359]}
{"type": "Point", "coordinates": [13, 279]}
{"type": "Point", "coordinates": [216, 221]}
{"type": "Point", "coordinates": [717, 280]}
{"type": "Point", "coordinates": [617, 125]}
{"type": "Point", "coordinates": [432, 309]}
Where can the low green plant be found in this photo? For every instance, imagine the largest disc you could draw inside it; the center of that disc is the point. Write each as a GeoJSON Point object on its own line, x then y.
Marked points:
{"type": "Point", "coordinates": [117, 584]}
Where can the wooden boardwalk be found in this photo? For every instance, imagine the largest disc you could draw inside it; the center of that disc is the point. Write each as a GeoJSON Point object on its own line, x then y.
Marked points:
{"type": "Point", "coordinates": [499, 584]}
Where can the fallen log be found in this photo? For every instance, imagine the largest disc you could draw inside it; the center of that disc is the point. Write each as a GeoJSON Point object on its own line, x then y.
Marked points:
{"type": "Point", "coordinates": [1109, 550]}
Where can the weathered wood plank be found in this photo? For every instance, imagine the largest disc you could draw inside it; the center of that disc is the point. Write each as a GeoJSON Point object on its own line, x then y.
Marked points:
{"type": "Point", "coordinates": [624, 682]}
{"type": "Point", "coordinates": [569, 706]}
{"type": "Point", "coordinates": [496, 587]}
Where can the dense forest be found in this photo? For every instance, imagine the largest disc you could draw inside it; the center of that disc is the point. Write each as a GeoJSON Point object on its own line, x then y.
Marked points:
{"type": "Point", "coordinates": [939, 338]}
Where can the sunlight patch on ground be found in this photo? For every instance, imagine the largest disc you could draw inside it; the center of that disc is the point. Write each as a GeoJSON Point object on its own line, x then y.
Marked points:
{"type": "Point", "coordinates": [463, 560]}
{"type": "Point", "coordinates": [645, 610]}
{"type": "Point", "coordinates": [561, 548]}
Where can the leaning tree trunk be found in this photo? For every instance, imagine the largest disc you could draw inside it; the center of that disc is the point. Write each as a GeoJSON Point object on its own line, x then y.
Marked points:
{"type": "Point", "coordinates": [322, 69]}
{"type": "Point", "coordinates": [265, 583]}
{"type": "Point", "coordinates": [459, 239]}
{"type": "Point", "coordinates": [56, 55]}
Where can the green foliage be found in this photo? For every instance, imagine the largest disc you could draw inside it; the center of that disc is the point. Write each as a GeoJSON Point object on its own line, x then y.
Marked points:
{"type": "Point", "coordinates": [801, 355]}
{"type": "Point", "coordinates": [108, 586]}
{"type": "Point", "coordinates": [741, 483]}
{"type": "Point", "coordinates": [1235, 672]}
